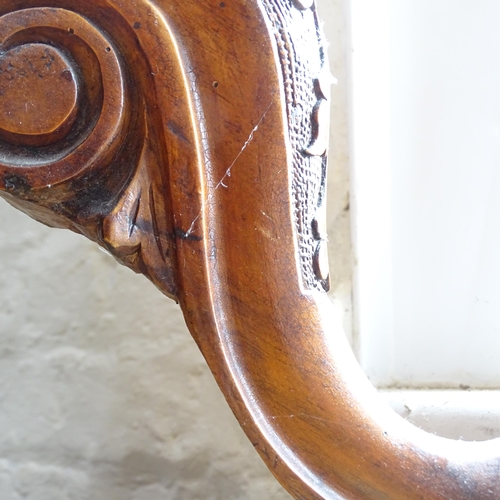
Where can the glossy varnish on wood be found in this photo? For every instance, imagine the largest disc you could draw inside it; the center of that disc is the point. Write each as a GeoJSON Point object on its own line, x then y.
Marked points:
{"type": "Point", "coordinates": [188, 139]}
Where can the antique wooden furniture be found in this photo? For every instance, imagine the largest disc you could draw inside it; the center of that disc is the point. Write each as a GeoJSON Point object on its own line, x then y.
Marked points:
{"type": "Point", "coordinates": [188, 138]}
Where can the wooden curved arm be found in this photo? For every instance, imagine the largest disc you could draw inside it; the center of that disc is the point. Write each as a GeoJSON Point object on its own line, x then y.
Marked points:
{"type": "Point", "coordinates": [188, 139]}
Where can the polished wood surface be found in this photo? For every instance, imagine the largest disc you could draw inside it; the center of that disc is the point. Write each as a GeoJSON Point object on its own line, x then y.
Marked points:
{"type": "Point", "coordinates": [189, 139]}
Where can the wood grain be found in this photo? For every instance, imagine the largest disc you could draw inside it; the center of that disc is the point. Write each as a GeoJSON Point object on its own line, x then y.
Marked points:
{"type": "Point", "coordinates": [189, 139]}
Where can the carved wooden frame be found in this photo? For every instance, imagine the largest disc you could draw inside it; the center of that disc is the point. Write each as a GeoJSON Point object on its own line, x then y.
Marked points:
{"type": "Point", "coordinates": [188, 139]}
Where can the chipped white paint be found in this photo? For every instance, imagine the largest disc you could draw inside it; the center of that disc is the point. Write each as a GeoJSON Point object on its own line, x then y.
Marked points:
{"type": "Point", "coordinates": [465, 415]}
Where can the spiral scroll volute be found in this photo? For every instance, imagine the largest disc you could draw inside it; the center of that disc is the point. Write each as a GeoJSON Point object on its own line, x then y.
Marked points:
{"type": "Point", "coordinates": [64, 103]}
{"type": "Point", "coordinates": [80, 147]}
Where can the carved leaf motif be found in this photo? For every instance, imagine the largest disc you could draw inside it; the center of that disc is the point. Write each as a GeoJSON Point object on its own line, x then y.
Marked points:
{"type": "Point", "coordinates": [81, 140]}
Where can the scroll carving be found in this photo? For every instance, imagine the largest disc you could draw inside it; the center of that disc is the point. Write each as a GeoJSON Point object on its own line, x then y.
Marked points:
{"type": "Point", "coordinates": [78, 147]}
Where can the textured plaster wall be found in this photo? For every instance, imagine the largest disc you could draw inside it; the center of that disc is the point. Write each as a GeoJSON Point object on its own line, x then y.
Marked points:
{"type": "Point", "coordinates": [103, 393]}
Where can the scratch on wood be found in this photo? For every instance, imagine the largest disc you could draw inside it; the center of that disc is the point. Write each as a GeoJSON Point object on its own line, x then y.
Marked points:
{"type": "Point", "coordinates": [179, 233]}
{"type": "Point", "coordinates": [227, 173]}
{"type": "Point", "coordinates": [247, 143]}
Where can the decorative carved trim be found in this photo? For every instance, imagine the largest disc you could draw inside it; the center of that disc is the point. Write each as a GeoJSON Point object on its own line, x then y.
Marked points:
{"type": "Point", "coordinates": [302, 57]}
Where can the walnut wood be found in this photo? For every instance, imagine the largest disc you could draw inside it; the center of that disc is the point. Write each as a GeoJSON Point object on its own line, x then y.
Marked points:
{"type": "Point", "coordinates": [42, 69]}
{"type": "Point", "coordinates": [188, 139]}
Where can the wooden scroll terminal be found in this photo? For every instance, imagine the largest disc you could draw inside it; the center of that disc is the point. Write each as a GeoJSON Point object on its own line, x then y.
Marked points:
{"type": "Point", "coordinates": [188, 138]}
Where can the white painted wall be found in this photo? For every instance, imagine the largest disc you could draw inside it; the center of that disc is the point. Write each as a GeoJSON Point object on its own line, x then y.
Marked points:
{"type": "Point", "coordinates": [426, 183]}
{"type": "Point", "coordinates": [103, 393]}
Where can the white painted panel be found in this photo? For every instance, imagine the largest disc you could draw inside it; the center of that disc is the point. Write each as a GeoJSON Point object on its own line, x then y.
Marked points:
{"type": "Point", "coordinates": [371, 186]}
{"type": "Point", "coordinates": [442, 230]}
